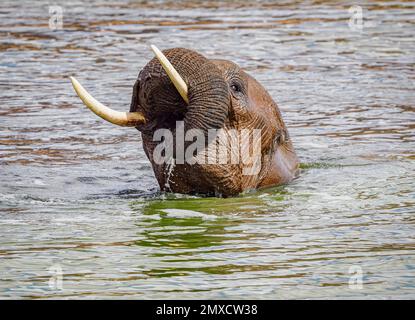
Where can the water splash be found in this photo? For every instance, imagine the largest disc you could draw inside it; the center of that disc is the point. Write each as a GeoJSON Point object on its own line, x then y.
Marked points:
{"type": "Point", "coordinates": [169, 170]}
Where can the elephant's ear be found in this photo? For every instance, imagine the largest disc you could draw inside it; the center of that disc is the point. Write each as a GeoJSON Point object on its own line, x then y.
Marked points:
{"type": "Point", "coordinates": [134, 99]}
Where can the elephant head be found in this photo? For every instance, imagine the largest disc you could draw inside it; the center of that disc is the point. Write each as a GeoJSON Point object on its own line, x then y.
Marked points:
{"type": "Point", "coordinates": [207, 126]}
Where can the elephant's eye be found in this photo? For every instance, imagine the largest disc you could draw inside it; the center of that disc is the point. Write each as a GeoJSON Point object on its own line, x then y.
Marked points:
{"type": "Point", "coordinates": [236, 87]}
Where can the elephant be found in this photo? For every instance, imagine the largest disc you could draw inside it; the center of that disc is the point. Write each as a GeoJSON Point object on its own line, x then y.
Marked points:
{"type": "Point", "coordinates": [181, 93]}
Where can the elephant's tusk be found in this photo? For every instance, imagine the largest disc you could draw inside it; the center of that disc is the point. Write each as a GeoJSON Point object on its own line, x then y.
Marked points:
{"type": "Point", "coordinates": [127, 119]}
{"type": "Point", "coordinates": [174, 76]}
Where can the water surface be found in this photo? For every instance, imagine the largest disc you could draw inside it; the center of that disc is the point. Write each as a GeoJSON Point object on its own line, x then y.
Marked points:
{"type": "Point", "coordinates": [78, 194]}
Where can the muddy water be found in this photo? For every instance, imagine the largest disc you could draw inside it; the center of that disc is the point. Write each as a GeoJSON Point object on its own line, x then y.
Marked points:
{"type": "Point", "coordinates": [80, 213]}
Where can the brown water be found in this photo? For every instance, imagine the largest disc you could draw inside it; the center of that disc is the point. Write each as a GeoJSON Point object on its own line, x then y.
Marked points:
{"type": "Point", "coordinates": [78, 195]}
